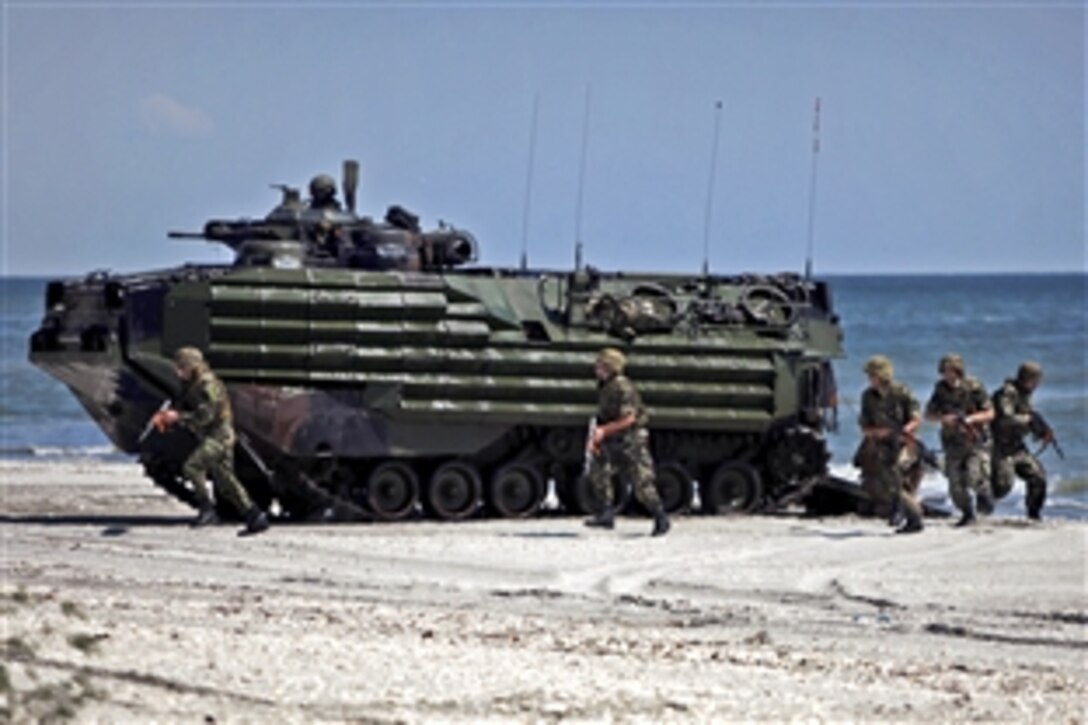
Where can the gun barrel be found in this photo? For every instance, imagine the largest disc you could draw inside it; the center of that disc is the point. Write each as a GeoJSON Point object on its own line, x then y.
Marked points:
{"type": "Point", "coordinates": [588, 460]}
{"type": "Point", "coordinates": [185, 235]}
{"type": "Point", "coordinates": [151, 421]}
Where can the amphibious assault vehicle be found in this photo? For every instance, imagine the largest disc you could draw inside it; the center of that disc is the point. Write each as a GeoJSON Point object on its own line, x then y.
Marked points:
{"type": "Point", "coordinates": [376, 373]}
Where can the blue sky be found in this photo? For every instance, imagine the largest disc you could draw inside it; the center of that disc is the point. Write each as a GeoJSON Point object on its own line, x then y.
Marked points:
{"type": "Point", "coordinates": [953, 136]}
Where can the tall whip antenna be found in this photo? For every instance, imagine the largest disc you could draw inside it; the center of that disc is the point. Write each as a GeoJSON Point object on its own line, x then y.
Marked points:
{"type": "Point", "coordinates": [812, 188]}
{"type": "Point", "coordinates": [581, 185]}
{"type": "Point", "coordinates": [710, 188]}
{"type": "Point", "coordinates": [529, 187]}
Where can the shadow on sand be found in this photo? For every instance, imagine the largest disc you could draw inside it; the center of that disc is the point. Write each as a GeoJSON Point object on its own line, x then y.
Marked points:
{"type": "Point", "coordinates": [542, 535]}
{"type": "Point", "coordinates": [112, 525]}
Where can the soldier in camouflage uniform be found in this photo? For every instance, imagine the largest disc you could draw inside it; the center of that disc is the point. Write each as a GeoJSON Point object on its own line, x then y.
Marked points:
{"type": "Point", "coordinates": [323, 193]}
{"type": "Point", "coordinates": [889, 416]}
{"type": "Point", "coordinates": [1012, 421]}
{"type": "Point", "coordinates": [962, 407]}
{"type": "Point", "coordinates": [620, 441]}
{"type": "Point", "coordinates": [204, 408]}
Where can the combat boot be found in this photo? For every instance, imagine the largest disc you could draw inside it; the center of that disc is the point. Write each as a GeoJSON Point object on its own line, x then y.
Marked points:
{"type": "Point", "coordinates": [913, 526]}
{"type": "Point", "coordinates": [968, 517]}
{"type": "Point", "coordinates": [661, 522]}
{"type": "Point", "coordinates": [985, 504]}
{"type": "Point", "coordinates": [606, 519]}
{"type": "Point", "coordinates": [206, 516]}
{"type": "Point", "coordinates": [1034, 501]}
{"type": "Point", "coordinates": [256, 522]}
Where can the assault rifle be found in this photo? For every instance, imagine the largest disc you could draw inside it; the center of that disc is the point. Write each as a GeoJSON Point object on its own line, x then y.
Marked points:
{"type": "Point", "coordinates": [963, 425]}
{"type": "Point", "coordinates": [151, 421]}
{"type": "Point", "coordinates": [973, 433]}
{"type": "Point", "coordinates": [1044, 432]}
{"type": "Point", "coordinates": [925, 454]}
{"type": "Point", "coordinates": [625, 487]}
{"type": "Point", "coordinates": [588, 460]}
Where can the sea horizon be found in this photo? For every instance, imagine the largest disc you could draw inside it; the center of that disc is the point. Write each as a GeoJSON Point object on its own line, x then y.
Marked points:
{"type": "Point", "coordinates": [817, 274]}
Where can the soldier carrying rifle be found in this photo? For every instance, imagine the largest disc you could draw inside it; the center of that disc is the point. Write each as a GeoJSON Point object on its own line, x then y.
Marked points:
{"type": "Point", "coordinates": [204, 408]}
{"type": "Point", "coordinates": [620, 441]}
{"type": "Point", "coordinates": [1014, 419]}
{"type": "Point", "coordinates": [960, 404]}
{"type": "Point", "coordinates": [888, 453]}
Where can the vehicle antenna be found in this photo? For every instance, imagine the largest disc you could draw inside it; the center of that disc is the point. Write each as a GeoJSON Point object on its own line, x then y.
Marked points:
{"type": "Point", "coordinates": [351, 183]}
{"type": "Point", "coordinates": [528, 187]}
{"type": "Point", "coordinates": [710, 188]}
{"type": "Point", "coordinates": [581, 185]}
{"type": "Point", "coordinates": [812, 188]}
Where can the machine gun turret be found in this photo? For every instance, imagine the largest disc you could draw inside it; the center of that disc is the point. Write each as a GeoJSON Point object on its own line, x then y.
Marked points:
{"type": "Point", "coordinates": [294, 234]}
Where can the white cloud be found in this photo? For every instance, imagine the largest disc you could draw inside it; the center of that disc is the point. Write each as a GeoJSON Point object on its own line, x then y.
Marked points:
{"type": "Point", "coordinates": [162, 114]}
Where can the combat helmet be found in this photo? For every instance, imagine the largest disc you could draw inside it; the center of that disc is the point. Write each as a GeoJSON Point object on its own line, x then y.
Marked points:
{"type": "Point", "coordinates": [953, 361]}
{"type": "Point", "coordinates": [322, 187]}
{"type": "Point", "coordinates": [190, 358]}
{"type": "Point", "coordinates": [612, 359]}
{"type": "Point", "coordinates": [1029, 371]}
{"type": "Point", "coordinates": [880, 367]}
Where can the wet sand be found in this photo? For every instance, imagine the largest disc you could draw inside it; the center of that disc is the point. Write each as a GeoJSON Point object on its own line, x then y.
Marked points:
{"type": "Point", "coordinates": [115, 610]}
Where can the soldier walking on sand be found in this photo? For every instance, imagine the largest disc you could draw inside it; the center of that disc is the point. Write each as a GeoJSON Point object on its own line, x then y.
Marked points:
{"type": "Point", "coordinates": [204, 408]}
{"type": "Point", "coordinates": [1013, 420]}
{"type": "Point", "coordinates": [960, 404]}
{"type": "Point", "coordinates": [889, 416]}
{"type": "Point", "coordinates": [620, 441]}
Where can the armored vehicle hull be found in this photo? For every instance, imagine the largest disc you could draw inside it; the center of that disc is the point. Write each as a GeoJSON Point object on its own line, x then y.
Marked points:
{"type": "Point", "coordinates": [382, 390]}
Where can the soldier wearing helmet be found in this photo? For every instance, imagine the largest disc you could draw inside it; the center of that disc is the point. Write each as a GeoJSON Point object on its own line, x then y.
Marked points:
{"type": "Point", "coordinates": [1013, 420]}
{"type": "Point", "coordinates": [889, 416]}
{"type": "Point", "coordinates": [960, 404]}
{"type": "Point", "coordinates": [620, 442]}
{"type": "Point", "coordinates": [323, 193]}
{"type": "Point", "coordinates": [204, 408]}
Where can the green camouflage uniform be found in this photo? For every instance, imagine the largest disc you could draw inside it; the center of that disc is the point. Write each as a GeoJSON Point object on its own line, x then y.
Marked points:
{"type": "Point", "coordinates": [885, 463]}
{"type": "Point", "coordinates": [1012, 421]}
{"type": "Point", "coordinates": [205, 410]}
{"type": "Point", "coordinates": [627, 452]}
{"type": "Point", "coordinates": [966, 453]}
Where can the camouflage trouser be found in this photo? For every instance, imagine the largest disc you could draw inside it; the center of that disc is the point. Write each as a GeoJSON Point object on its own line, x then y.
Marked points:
{"type": "Point", "coordinates": [628, 455]}
{"type": "Point", "coordinates": [1020, 463]}
{"type": "Point", "coordinates": [216, 458]}
{"type": "Point", "coordinates": [888, 474]}
{"type": "Point", "coordinates": [968, 472]}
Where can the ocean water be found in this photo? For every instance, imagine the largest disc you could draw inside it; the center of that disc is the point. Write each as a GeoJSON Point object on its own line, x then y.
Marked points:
{"type": "Point", "coordinates": [994, 321]}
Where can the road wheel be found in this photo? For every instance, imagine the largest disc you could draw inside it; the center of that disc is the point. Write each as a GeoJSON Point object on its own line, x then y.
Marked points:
{"type": "Point", "coordinates": [675, 486]}
{"type": "Point", "coordinates": [516, 491]}
{"type": "Point", "coordinates": [392, 490]}
{"type": "Point", "coordinates": [579, 498]}
{"type": "Point", "coordinates": [573, 492]}
{"type": "Point", "coordinates": [735, 487]}
{"type": "Point", "coordinates": [453, 491]}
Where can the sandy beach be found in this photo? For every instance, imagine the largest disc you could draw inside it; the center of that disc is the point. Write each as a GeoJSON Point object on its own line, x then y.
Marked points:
{"type": "Point", "coordinates": [115, 610]}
